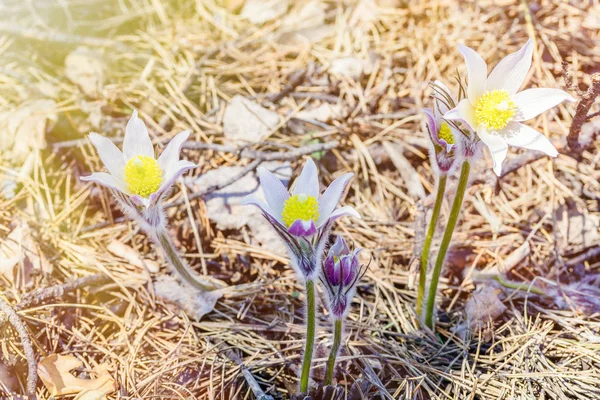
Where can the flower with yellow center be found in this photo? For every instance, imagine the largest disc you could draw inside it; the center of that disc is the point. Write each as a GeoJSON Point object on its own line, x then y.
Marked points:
{"type": "Point", "coordinates": [442, 136]}
{"type": "Point", "coordinates": [143, 175]}
{"type": "Point", "coordinates": [494, 107]}
{"type": "Point", "coordinates": [300, 207]}
{"type": "Point", "coordinates": [303, 212]}
{"type": "Point", "coordinates": [136, 172]}
{"type": "Point", "coordinates": [446, 134]}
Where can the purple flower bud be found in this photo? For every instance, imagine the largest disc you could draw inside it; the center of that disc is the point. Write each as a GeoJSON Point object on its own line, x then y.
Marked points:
{"type": "Point", "coordinates": [341, 269]}
{"type": "Point", "coordinates": [339, 306]}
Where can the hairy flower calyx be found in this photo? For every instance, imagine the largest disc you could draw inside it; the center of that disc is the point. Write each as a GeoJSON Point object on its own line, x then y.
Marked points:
{"type": "Point", "coordinates": [494, 109]}
{"type": "Point", "coordinates": [300, 207]}
{"type": "Point", "coordinates": [143, 175]}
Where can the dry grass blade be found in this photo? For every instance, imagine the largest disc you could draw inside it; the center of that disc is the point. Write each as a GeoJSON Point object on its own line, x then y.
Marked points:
{"type": "Point", "coordinates": [346, 82]}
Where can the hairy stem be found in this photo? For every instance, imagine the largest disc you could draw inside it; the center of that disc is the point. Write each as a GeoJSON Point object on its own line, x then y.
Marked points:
{"type": "Point", "coordinates": [337, 339]}
{"type": "Point", "coordinates": [428, 239]}
{"type": "Point", "coordinates": [310, 335]}
{"type": "Point", "coordinates": [166, 245]}
{"type": "Point", "coordinates": [452, 220]}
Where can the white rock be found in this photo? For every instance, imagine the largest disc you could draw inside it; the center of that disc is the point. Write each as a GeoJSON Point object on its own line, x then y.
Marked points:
{"type": "Point", "coordinates": [247, 121]}
{"type": "Point", "coordinates": [261, 11]}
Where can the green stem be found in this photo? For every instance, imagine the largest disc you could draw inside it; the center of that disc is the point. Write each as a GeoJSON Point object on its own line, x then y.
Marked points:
{"type": "Point", "coordinates": [173, 258]}
{"type": "Point", "coordinates": [452, 220]}
{"type": "Point", "coordinates": [519, 286]}
{"type": "Point", "coordinates": [439, 199]}
{"type": "Point", "coordinates": [337, 339]}
{"type": "Point", "coordinates": [310, 335]}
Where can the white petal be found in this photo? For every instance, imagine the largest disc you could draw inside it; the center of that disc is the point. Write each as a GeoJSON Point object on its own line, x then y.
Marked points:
{"type": "Point", "coordinates": [464, 113]}
{"type": "Point", "coordinates": [343, 211]}
{"type": "Point", "coordinates": [107, 180]}
{"type": "Point", "coordinates": [529, 138]}
{"type": "Point", "coordinates": [173, 173]}
{"type": "Point", "coordinates": [339, 247]}
{"type": "Point", "coordinates": [477, 73]}
{"type": "Point", "coordinates": [533, 102]}
{"type": "Point", "coordinates": [328, 202]}
{"type": "Point", "coordinates": [511, 71]}
{"type": "Point", "coordinates": [170, 154]}
{"type": "Point", "coordinates": [137, 141]}
{"type": "Point", "coordinates": [252, 199]}
{"type": "Point", "coordinates": [308, 181]}
{"type": "Point", "coordinates": [497, 146]}
{"type": "Point", "coordinates": [111, 156]}
{"type": "Point", "coordinates": [430, 121]}
{"type": "Point", "coordinates": [275, 193]}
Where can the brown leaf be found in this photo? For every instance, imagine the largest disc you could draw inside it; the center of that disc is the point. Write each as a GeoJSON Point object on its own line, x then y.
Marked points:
{"type": "Point", "coordinates": [54, 371]}
{"type": "Point", "coordinates": [20, 247]}
{"type": "Point", "coordinates": [576, 230]}
{"type": "Point", "coordinates": [248, 121]}
{"type": "Point", "coordinates": [85, 68]}
{"type": "Point", "coordinates": [483, 307]}
{"type": "Point", "coordinates": [132, 256]}
{"type": "Point", "coordinates": [194, 303]}
{"type": "Point", "coordinates": [261, 11]}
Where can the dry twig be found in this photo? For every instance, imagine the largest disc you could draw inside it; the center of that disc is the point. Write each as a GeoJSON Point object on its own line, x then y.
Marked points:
{"type": "Point", "coordinates": [16, 322]}
{"type": "Point", "coordinates": [582, 115]}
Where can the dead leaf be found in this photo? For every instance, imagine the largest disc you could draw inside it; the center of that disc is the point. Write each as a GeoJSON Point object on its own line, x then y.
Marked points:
{"type": "Point", "coordinates": [232, 5]}
{"type": "Point", "coordinates": [20, 248]}
{"type": "Point", "coordinates": [247, 121]}
{"type": "Point", "coordinates": [350, 67]}
{"type": "Point", "coordinates": [324, 113]}
{"type": "Point", "coordinates": [8, 380]}
{"type": "Point", "coordinates": [407, 172]}
{"type": "Point", "coordinates": [194, 303]}
{"type": "Point", "coordinates": [23, 128]}
{"type": "Point", "coordinates": [487, 213]}
{"type": "Point", "coordinates": [85, 68]}
{"type": "Point", "coordinates": [54, 371]}
{"type": "Point", "coordinates": [261, 11]}
{"type": "Point", "coordinates": [576, 230]}
{"type": "Point", "coordinates": [365, 12]}
{"type": "Point", "coordinates": [22, 134]}
{"type": "Point", "coordinates": [132, 256]}
{"type": "Point", "coordinates": [305, 25]}
{"type": "Point", "coordinates": [483, 307]}
{"type": "Point", "coordinates": [592, 19]}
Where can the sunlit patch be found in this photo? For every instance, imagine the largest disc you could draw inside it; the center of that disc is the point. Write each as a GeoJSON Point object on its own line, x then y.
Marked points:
{"type": "Point", "coordinates": [143, 175]}
{"type": "Point", "coordinates": [495, 109]}
{"type": "Point", "coordinates": [301, 207]}
{"type": "Point", "coordinates": [446, 133]}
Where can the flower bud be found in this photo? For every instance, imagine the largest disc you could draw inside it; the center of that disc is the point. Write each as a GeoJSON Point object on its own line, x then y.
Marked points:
{"type": "Point", "coordinates": [443, 135]}
{"type": "Point", "coordinates": [341, 272]}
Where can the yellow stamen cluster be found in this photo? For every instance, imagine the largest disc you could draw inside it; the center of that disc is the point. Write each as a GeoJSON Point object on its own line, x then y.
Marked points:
{"type": "Point", "coordinates": [445, 133]}
{"type": "Point", "coordinates": [494, 109]}
{"type": "Point", "coordinates": [301, 207]}
{"type": "Point", "coordinates": [143, 175]}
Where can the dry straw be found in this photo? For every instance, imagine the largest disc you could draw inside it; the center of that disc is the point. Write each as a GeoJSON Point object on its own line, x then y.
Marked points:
{"type": "Point", "coordinates": [180, 63]}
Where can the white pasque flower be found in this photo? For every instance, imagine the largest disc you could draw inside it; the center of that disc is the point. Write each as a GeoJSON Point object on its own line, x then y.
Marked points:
{"type": "Point", "coordinates": [303, 218]}
{"type": "Point", "coordinates": [494, 109]}
{"type": "Point", "coordinates": [136, 171]}
{"type": "Point", "coordinates": [304, 212]}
